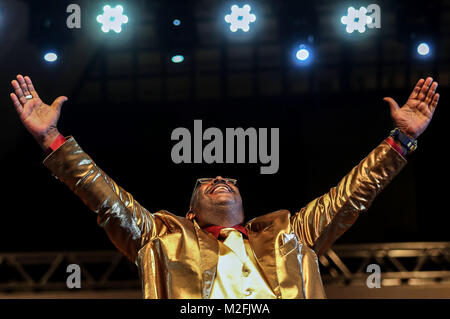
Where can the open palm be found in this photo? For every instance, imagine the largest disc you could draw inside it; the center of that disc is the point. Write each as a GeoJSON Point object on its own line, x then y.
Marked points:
{"type": "Point", "coordinates": [414, 117]}
{"type": "Point", "coordinates": [39, 118]}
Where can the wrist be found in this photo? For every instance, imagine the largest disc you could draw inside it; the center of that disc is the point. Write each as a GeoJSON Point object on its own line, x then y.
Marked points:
{"type": "Point", "coordinates": [48, 139]}
{"type": "Point", "coordinates": [403, 142]}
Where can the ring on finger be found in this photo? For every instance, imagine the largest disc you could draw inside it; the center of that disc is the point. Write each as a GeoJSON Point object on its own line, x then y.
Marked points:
{"type": "Point", "coordinates": [29, 96]}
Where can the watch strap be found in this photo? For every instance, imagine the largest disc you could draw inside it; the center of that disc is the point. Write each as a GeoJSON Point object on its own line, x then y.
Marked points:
{"type": "Point", "coordinates": [409, 143]}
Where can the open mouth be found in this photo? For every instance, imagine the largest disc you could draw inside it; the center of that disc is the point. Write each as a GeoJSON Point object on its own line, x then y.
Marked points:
{"type": "Point", "coordinates": [220, 188]}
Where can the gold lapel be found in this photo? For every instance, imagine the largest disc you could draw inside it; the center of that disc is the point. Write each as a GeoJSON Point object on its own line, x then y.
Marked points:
{"type": "Point", "coordinates": [209, 254]}
{"type": "Point", "coordinates": [262, 233]}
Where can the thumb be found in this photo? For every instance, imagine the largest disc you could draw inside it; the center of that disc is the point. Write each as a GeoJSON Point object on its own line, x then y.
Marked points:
{"type": "Point", "coordinates": [392, 104]}
{"type": "Point", "coordinates": [59, 102]}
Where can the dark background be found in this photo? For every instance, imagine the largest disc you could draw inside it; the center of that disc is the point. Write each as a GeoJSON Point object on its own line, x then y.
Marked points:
{"type": "Point", "coordinates": [126, 97]}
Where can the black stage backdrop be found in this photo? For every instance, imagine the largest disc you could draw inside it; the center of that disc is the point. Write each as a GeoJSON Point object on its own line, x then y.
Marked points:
{"type": "Point", "coordinates": [325, 130]}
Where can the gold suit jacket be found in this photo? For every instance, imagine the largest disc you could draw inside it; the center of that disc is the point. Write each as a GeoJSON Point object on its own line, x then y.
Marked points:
{"type": "Point", "coordinates": [177, 259]}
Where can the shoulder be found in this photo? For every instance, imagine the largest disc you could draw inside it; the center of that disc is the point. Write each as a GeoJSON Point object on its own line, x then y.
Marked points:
{"type": "Point", "coordinates": [172, 221]}
{"type": "Point", "coordinates": [279, 217]}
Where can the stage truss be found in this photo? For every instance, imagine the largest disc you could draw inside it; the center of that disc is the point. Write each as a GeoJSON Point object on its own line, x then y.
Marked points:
{"type": "Point", "coordinates": [414, 263]}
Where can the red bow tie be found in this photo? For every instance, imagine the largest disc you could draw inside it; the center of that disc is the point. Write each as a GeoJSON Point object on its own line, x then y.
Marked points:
{"type": "Point", "coordinates": [215, 230]}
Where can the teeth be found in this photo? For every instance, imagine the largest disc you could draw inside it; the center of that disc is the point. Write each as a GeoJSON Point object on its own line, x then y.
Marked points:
{"type": "Point", "coordinates": [223, 187]}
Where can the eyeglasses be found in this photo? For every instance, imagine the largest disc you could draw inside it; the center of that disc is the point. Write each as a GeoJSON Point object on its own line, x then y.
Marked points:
{"type": "Point", "coordinates": [209, 179]}
{"type": "Point", "coordinates": [206, 180]}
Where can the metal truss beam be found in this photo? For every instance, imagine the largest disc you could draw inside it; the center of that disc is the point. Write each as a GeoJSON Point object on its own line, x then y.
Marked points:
{"type": "Point", "coordinates": [415, 263]}
{"type": "Point", "coordinates": [39, 271]}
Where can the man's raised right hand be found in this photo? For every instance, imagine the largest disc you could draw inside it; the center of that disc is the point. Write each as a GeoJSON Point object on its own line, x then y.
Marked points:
{"type": "Point", "coordinates": [39, 118]}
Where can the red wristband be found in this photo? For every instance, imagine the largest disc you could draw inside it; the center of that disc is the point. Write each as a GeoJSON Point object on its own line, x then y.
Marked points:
{"type": "Point", "coordinates": [59, 140]}
{"type": "Point", "coordinates": [396, 147]}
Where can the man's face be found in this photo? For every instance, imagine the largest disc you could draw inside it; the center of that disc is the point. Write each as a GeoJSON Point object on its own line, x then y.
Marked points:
{"type": "Point", "coordinates": [216, 201]}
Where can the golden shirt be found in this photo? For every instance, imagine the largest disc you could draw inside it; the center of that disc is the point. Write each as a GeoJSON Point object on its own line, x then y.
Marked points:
{"type": "Point", "coordinates": [238, 275]}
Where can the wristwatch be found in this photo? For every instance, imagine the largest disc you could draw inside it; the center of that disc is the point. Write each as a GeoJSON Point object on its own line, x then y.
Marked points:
{"type": "Point", "coordinates": [407, 142]}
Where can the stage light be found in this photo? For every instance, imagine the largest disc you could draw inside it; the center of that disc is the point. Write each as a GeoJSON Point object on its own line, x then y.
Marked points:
{"type": "Point", "coordinates": [177, 58]}
{"type": "Point", "coordinates": [176, 22]}
{"type": "Point", "coordinates": [112, 18]}
{"type": "Point", "coordinates": [240, 18]}
{"type": "Point", "coordinates": [50, 57]}
{"type": "Point", "coordinates": [423, 49]}
{"type": "Point", "coordinates": [356, 20]}
{"type": "Point", "coordinates": [302, 54]}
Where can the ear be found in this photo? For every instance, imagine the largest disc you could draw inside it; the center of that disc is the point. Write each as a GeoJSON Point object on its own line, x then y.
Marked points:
{"type": "Point", "coordinates": [190, 215]}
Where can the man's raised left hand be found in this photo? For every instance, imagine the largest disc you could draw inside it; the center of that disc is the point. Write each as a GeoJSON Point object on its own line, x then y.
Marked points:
{"type": "Point", "coordinates": [414, 117]}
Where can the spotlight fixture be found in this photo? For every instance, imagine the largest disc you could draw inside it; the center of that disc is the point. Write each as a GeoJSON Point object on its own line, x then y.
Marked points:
{"type": "Point", "coordinates": [423, 49]}
{"type": "Point", "coordinates": [303, 54]}
{"type": "Point", "coordinates": [240, 18]}
{"type": "Point", "coordinates": [356, 20]}
{"type": "Point", "coordinates": [50, 56]}
{"type": "Point", "coordinates": [112, 18]}
{"type": "Point", "coordinates": [177, 58]}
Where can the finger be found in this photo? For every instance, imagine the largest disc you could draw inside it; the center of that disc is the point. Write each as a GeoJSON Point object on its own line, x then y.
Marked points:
{"type": "Point", "coordinates": [416, 89]}
{"type": "Point", "coordinates": [23, 85]}
{"type": "Point", "coordinates": [431, 93]}
{"type": "Point", "coordinates": [434, 103]}
{"type": "Point", "coordinates": [31, 87]}
{"type": "Point", "coordinates": [19, 92]}
{"type": "Point", "coordinates": [16, 103]}
{"type": "Point", "coordinates": [425, 87]}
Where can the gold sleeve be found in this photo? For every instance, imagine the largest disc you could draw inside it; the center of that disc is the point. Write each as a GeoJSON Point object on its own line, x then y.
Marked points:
{"type": "Point", "coordinates": [127, 223]}
{"type": "Point", "coordinates": [326, 218]}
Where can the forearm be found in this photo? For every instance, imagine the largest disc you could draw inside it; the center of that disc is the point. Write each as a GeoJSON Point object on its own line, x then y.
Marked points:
{"type": "Point", "coordinates": [124, 219]}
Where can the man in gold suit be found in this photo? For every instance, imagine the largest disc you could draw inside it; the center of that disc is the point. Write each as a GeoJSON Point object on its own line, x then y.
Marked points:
{"type": "Point", "coordinates": [210, 253]}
